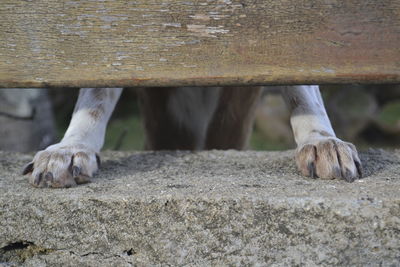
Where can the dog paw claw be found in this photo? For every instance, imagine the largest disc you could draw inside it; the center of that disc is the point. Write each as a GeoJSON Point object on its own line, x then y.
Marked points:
{"type": "Point", "coordinates": [329, 158]}
{"type": "Point", "coordinates": [62, 166]}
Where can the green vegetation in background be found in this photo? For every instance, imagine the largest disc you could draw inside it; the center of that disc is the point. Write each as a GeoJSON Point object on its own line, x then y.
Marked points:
{"type": "Point", "coordinates": [128, 132]}
{"type": "Point", "coordinates": [259, 142]}
{"type": "Point", "coordinates": [390, 114]}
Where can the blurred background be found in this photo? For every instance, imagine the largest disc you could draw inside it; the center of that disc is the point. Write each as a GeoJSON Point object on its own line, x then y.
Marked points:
{"type": "Point", "coordinates": [367, 115]}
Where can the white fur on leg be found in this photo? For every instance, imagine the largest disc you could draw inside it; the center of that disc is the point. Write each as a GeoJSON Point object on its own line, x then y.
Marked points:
{"type": "Point", "coordinates": [308, 115]}
{"type": "Point", "coordinates": [92, 112]}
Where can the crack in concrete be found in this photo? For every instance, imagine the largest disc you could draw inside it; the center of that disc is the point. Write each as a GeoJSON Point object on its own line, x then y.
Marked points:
{"type": "Point", "coordinates": [20, 251]}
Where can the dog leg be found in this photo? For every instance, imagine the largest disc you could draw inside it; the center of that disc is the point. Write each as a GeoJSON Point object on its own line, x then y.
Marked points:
{"type": "Point", "coordinates": [177, 118]}
{"type": "Point", "coordinates": [319, 152]}
{"type": "Point", "coordinates": [75, 159]}
{"type": "Point", "coordinates": [232, 122]}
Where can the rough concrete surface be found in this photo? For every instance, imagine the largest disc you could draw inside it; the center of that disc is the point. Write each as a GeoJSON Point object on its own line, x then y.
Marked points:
{"type": "Point", "coordinates": [214, 208]}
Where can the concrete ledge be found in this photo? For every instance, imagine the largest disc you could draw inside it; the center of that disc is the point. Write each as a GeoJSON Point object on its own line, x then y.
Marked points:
{"type": "Point", "coordinates": [205, 208]}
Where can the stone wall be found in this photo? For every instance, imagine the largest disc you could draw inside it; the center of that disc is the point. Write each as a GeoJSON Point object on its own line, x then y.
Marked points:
{"type": "Point", "coordinates": [201, 209]}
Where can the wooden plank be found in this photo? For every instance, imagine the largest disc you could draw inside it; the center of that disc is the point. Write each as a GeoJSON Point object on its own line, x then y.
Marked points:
{"type": "Point", "coordinates": [85, 43]}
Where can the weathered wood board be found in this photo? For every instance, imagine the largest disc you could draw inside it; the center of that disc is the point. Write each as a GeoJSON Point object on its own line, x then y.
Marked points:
{"type": "Point", "coordinates": [96, 43]}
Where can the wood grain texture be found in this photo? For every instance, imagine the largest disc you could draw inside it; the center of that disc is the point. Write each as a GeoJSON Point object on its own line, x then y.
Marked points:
{"type": "Point", "coordinates": [95, 43]}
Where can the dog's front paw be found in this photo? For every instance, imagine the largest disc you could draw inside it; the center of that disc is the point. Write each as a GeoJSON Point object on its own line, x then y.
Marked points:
{"type": "Point", "coordinates": [329, 158]}
{"type": "Point", "coordinates": [62, 166]}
